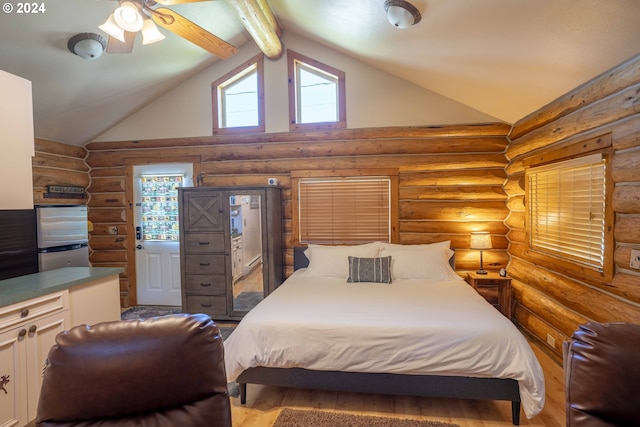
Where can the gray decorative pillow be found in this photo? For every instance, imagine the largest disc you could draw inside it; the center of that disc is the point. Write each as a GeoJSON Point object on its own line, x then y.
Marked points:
{"type": "Point", "coordinates": [370, 269]}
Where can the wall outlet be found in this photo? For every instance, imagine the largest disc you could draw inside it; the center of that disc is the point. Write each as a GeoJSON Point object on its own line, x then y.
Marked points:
{"type": "Point", "coordinates": [551, 340]}
{"type": "Point", "coordinates": [635, 258]}
{"type": "Point", "coordinates": [113, 229]}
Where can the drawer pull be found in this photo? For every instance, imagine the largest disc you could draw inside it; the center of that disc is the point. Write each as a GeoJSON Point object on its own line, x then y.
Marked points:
{"type": "Point", "coordinates": [24, 312]}
{"type": "Point", "coordinates": [203, 243]}
{"type": "Point", "coordinates": [206, 305]}
{"type": "Point", "coordinates": [204, 264]}
{"type": "Point", "coordinates": [32, 329]}
{"type": "Point", "coordinates": [22, 333]}
{"type": "Point", "coordinates": [205, 284]}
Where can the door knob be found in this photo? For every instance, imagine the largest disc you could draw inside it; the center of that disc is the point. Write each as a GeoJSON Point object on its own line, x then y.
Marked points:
{"type": "Point", "coordinates": [139, 247]}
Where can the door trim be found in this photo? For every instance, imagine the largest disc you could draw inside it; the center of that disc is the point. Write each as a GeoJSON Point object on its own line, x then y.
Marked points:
{"type": "Point", "coordinates": [130, 162]}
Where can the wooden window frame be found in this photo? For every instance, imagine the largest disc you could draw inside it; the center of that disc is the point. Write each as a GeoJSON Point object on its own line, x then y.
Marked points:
{"type": "Point", "coordinates": [258, 61]}
{"type": "Point", "coordinates": [598, 145]}
{"type": "Point", "coordinates": [292, 59]}
{"type": "Point", "coordinates": [392, 174]}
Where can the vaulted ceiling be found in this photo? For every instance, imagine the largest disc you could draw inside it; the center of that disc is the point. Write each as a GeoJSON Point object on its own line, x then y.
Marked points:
{"type": "Point", "coordinates": [505, 58]}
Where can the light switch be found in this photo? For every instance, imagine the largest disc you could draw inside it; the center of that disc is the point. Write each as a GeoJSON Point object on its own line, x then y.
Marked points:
{"type": "Point", "coordinates": [635, 258]}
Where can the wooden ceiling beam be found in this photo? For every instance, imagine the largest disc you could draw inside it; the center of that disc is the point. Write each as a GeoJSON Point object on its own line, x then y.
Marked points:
{"type": "Point", "coordinates": [260, 22]}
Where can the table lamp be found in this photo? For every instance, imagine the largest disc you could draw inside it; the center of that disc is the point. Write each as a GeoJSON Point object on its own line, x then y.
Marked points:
{"type": "Point", "coordinates": [480, 240]}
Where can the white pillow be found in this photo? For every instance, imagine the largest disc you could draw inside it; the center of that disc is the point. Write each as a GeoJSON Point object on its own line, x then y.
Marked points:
{"type": "Point", "coordinates": [430, 261]}
{"type": "Point", "coordinates": [333, 261]}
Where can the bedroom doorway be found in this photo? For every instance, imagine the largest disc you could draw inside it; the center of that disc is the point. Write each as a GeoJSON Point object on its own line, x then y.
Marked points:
{"type": "Point", "coordinates": [157, 250]}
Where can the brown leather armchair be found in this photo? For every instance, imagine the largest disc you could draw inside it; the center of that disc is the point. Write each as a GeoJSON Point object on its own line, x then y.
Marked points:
{"type": "Point", "coordinates": [602, 375]}
{"type": "Point", "coordinates": [163, 371]}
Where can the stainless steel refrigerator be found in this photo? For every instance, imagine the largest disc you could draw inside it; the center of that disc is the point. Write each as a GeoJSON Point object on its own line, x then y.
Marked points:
{"type": "Point", "coordinates": [63, 237]}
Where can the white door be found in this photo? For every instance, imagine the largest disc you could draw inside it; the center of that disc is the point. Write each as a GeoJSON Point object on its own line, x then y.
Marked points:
{"type": "Point", "coordinates": [157, 233]}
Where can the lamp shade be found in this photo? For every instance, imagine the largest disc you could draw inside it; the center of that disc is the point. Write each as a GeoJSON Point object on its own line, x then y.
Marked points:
{"type": "Point", "coordinates": [150, 32]}
{"type": "Point", "coordinates": [480, 240]}
{"type": "Point", "coordinates": [110, 27]}
{"type": "Point", "coordinates": [128, 18]}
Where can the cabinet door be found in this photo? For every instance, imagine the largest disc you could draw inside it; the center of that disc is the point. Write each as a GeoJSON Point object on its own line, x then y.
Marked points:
{"type": "Point", "coordinates": [13, 379]}
{"type": "Point", "coordinates": [41, 336]}
{"type": "Point", "coordinates": [205, 211]}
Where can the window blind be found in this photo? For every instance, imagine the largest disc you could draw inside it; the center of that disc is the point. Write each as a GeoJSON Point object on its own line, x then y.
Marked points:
{"type": "Point", "coordinates": [567, 209]}
{"type": "Point", "coordinates": [344, 210]}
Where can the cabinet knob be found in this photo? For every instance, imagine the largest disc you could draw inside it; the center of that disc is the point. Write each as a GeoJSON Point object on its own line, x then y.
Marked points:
{"type": "Point", "coordinates": [206, 305]}
{"type": "Point", "coordinates": [205, 284]}
{"type": "Point", "coordinates": [203, 243]}
{"type": "Point", "coordinates": [32, 329]}
{"type": "Point", "coordinates": [24, 312]}
{"type": "Point", "coordinates": [22, 333]}
{"type": "Point", "coordinates": [205, 263]}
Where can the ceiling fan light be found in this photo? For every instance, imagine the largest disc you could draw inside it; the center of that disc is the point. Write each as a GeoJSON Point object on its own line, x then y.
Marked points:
{"type": "Point", "coordinates": [110, 27]}
{"type": "Point", "coordinates": [401, 13]}
{"type": "Point", "coordinates": [150, 32]}
{"type": "Point", "coordinates": [128, 18]}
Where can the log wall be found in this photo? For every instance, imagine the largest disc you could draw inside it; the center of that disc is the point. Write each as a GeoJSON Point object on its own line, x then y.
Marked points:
{"type": "Point", "coordinates": [58, 164]}
{"type": "Point", "coordinates": [550, 303]}
{"type": "Point", "coordinates": [451, 181]}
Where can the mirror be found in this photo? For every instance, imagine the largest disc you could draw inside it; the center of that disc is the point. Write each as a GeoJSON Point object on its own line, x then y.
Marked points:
{"type": "Point", "coordinates": [246, 250]}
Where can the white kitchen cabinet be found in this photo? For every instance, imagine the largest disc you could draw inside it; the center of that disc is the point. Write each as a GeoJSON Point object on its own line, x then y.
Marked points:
{"type": "Point", "coordinates": [16, 136]}
{"type": "Point", "coordinates": [236, 257]}
{"type": "Point", "coordinates": [27, 332]}
{"type": "Point", "coordinates": [95, 301]}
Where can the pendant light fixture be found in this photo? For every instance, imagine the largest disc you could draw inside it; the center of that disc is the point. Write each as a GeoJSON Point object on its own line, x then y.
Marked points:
{"type": "Point", "coordinates": [401, 13]}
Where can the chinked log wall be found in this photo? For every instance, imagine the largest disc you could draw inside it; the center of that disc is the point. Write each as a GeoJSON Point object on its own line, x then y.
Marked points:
{"type": "Point", "coordinates": [58, 164]}
{"type": "Point", "coordinates": [451, 181]}
{"type": "Point", "coordinates": [549, 302]}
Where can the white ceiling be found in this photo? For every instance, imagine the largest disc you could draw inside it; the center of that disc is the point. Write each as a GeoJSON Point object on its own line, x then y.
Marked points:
{"type": "Point", "coordinates": [506, 58]}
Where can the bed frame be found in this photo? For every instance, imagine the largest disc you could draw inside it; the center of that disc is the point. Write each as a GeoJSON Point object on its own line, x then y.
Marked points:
{"type": "Point", "coordinates": [383, 383]}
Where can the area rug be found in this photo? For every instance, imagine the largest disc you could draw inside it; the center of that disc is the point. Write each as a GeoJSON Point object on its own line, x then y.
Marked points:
{"type": "Point", "coordinates": [146, 311]}
{"type": "Point", "coordinates": [309, 418]}
{"type": "Point", "coordinates": [247, 300]}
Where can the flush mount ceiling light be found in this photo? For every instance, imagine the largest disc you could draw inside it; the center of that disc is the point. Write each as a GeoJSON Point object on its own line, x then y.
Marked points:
{"type": "Point", "coordinates": [401, 13]}
{"type": "Point", "coordinates": [87, 45]}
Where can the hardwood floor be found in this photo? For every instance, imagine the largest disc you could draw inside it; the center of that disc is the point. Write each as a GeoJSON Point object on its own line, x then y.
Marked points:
{"type": "Point", "coordinates": [249, 283]}
{"type": "Point", "coordinates": [265, 403]}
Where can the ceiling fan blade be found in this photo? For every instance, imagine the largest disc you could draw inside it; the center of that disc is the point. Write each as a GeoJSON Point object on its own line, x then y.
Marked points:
{"type": "Point", "coordinates": [192, 32]}
{"type": "Point", "coordinates": [116, 46]}
{"type": "Point", "coordinates": [172, 2]}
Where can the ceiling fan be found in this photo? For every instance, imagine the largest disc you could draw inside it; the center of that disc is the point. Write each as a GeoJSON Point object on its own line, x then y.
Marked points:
{"type": "Point", "coordinates": [133, 16]}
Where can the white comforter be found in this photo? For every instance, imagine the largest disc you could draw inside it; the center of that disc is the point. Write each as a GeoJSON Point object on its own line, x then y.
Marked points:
{"type": "Point", "coordinates": [407, 327]}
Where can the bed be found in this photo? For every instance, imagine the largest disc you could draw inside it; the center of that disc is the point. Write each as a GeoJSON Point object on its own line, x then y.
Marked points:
{"type": "Point", "coordinates": [427, 333]}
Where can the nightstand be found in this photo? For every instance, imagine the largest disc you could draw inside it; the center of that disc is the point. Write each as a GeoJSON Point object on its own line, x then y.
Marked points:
{"type": "Point", "coordinates": [495, 289]}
